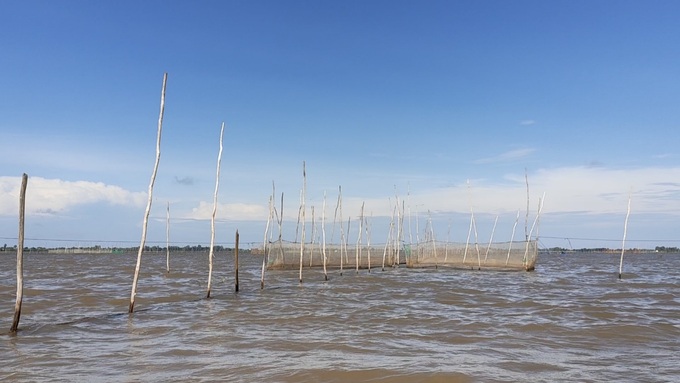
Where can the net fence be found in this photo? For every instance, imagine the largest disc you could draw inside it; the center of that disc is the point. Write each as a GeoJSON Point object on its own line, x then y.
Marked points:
{"type": "Point", "coordinates": [500, 255]}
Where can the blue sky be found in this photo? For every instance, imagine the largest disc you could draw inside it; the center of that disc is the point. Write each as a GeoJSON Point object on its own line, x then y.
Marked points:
{"type": "Point", "coordinates": [442, 105]}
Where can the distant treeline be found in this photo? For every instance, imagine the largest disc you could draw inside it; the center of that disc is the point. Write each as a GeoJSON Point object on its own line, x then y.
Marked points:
{"type": "Point", "coordinates": [118, 250]}
{"type": "Point", "coordinates": [658, 249]}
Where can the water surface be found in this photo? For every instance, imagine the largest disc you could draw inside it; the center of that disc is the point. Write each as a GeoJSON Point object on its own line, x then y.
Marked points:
{"type": "Point", "coordinates": [570, 320]}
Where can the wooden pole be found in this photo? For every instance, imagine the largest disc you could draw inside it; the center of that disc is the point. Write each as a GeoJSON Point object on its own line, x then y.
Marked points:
{"type": "Point", "coordinates": [538, 214]}
{"type": "Point", "coordinates": [311, 243]}
{"type": "Point", "coordinates": [389, 236]}
{"type": "Point", "coordinates": [135, 279]}
{"type": "Point", "coordinates": [302, 215]}
{"type": "Point", "coordinates": [625, 229]}
{"type": "Point", "coordinates": [236, 263]}
{"type": "Point", "coordinates": [486, 256]}
{"type": "Point", "coordinates": [526, 217]}
{"type": "Point", "coordinates": [323, 236]}
{"type": "Point", "coordinates": [20, 255]}
{"type": "Point", "coordinates": [358, 248]}
{"type": "Point", "coordinates": [434, 243]}
{"type": "Point", "coordinates": [267, 249]}
{"type": "Point", "coordinates": [167, 239]}
{"type": "Point", "coordinates": [512, 237]}
{"type": "Point", "coordinates": [214, 212]}
{"type": "Point", "coordinates": [368, 243]}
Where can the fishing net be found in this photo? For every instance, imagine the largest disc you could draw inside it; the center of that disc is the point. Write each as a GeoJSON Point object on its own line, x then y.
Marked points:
{"type": "Point", "coordinates": [499, 255]}
{"type": "Point", "coordinates": [286, 255]}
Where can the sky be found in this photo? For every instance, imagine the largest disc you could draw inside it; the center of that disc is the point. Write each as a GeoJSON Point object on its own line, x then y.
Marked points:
{"type": "Point", "coordinates": [446, 109]}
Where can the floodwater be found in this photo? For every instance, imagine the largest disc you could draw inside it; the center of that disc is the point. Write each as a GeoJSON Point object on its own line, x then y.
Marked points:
{"type": "Point", "coordinates": [570, 320]}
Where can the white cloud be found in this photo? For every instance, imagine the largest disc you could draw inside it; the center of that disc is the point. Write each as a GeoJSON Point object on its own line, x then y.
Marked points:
{"type": "Point", "coordinates": [584, 190]}
{"type": "Point", "coordinates": [511, 155]}
{"type": "Point", "coordinates": [230, 211]}
{"type": "Point", "coordinates": [527, 122]}
{"type": "Point", "coordinates": [52, 196]}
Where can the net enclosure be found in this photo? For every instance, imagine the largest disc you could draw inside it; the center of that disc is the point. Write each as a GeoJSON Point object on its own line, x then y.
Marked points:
{"type": "Point", "coordinates": [499, 255]}
{"type": "Point", "coordinates": [286, 255]}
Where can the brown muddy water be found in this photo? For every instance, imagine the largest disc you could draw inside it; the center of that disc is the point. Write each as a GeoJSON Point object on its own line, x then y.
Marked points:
{"type": "Point", "coordinates": [571, 320]}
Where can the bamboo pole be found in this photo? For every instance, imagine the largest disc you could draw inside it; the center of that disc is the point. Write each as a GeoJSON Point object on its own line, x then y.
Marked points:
{"type": "Point", "coordinates": [625, 229]}
{"type": "Point", "coordinates": [486, 256]}
{"type": "Point", "coordinates": [434, 243]}
{"type": "Point", "coordinates": [408, 200]}
{"type": "Point", "coordinates": [538, 214]}
{"type": "Point", "coordinates": [349, 220]}
{"type": "Point", "coordinates": [448, 239]}
{"type": "Point", "coordinates": [359, 242]}
{"type": "Point", "coordinates": [302, 209]}
{"type": "Point", "coordinates": [512, 237]}
{"type": "Point", "coordinates": [214, 212]}
{"type": "Point", "coordinates": [167, 238]}
{"type": "Point", "coordinates": [267, 249]}
{"type": "Point", "coordinates": [368, 243]}
{"type": "Point", "coordinates": [389, 236]}
{"type": "Point", "coordinates": [236, 264]}
{"type": "Point", "coordinates": [281, 232]}
{"type": "Point", "coordinates": [311, 244]}
{"type": "Point", "coordinates": [135, 279]}
{"type": "Point", "coordinates": [20, 255]}
{"type": "Point", "coordinates": [400, 226]}
{"type": "Point", "coordinates": [323, 236]}
{"type": "Point", "coordinates": [526, 217]}
{"type": "Point", "coordinates": [479, 257]}
{"type": "Point", "coordinates": [467, 241]}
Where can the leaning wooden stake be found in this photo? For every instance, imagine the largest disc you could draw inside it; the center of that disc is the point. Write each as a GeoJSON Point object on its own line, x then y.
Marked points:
{"type": "Point", "coordinates": [625, 229]}
{"type": "Point", "coordinates": [133, 294]}
{"type": "Point", "coordinates": [531, 231]}
{"type": "Point", "coordinates": [214, 211]}
{"type": "Point", "coordinates": [323, 237]}
{"type": "Point", "coordinates": [389, 237]}
{"type": "Point", "coordinates": [486, 256]}
{"type": "Point", "coordinates": [512, 237]}
{"type": "Point", "coordinates": [267, 249]}
{"type": "Point", "coordinates": [358, 247]}
{"type": "Point", "coordinates": [526, 217]}
{"type": "Point", "coordinates": [167, 239]}
{"type": "Point", "coordinates": [368, 243]}
{"type": "Point", "coordinates": [20, 255]}
{"type": "Point", "coordinates": [236, 263]}
{"type": "Point", "coordinates": [302, 215]}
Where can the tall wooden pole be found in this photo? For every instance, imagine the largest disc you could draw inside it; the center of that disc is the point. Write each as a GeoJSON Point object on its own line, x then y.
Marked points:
{"type": "Point", "coordinates": [236, 263]}
{"type": "Point", "coordinates": [167, 239]}
{"type": "Point", "coordinates": [623, 244]}
{"type": "Point", "coordinates": [323, 236]}
{"type": "Point", "coordinates": [214, 211]}
{"type": "Point", "coordinates": [20, 255]}
{"type": "Point", "coordinates": [133, 294]}
{"type": "Point", "coordinates": [302, 209]}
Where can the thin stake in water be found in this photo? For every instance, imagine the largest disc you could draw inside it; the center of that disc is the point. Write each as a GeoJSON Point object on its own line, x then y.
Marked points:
{"type": "Point", "coordinates": [20, 255]}
{"type": "Point", "coordinates": [625, 229]}
{"type": "Point", "coordinates": [133, 294]}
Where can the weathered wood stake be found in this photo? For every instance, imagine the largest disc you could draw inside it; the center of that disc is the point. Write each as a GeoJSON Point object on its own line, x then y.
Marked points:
{"type": "Point", "coordinates": [20, 255]}
{"type": "Point", "coordinates": [167, 239]}
{"type": "Point", "coordinates": [214, 211]}
{"type": "Point", "coordinates": [302, 215]}
{"type": "Point", "coordinates": [323, 236]}
{"type": "Point", "coordinates": [236, 263]}
{"type": "Point", "coordinates": [625, 229]}
{"type": "Point", "coordinates": [133, 294]}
